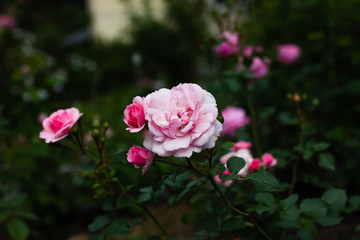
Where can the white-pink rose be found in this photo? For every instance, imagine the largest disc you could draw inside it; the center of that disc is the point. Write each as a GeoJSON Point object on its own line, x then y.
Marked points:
{"type": "Point", "coordinates": [288, 53]}
{"type": "Point", "coordinates": [180, 121]}
{"type": "Point", "coordinates": [140, 157]}
{"type": "Point", "coordinates": [242, 153]}
{"type": "Point", "coordinates": [58, 124]}
{"type": "Point", "coordinates": [134, 115]}
{"type": "Point", "coordinates": [234, 118]}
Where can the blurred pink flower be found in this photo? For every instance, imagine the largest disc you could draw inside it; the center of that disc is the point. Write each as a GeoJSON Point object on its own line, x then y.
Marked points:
{"type": "Point", "coordinates": [241, 145]}
{"type": "Point", "coordinates": [41, 117]}
{"type": "Point", "coordinates": [24, 69]}
{"type": "Point", "coordinates": [288, 53]}
{"type": "Point", "coordinates": [219, 181]}
{"type": "Point", "coordinates": [249, 50]}
{"type": "Point", "coordinates": [140, 157]}
{"type": "Point", "coordinates": [259, 68]}
{"type": "Point", "coordinates": [58, 124]}
{"type": "Point", "coordinates": [255, 164]}
{"type": "Point", "coordinates": [296, 97]}
{"type": "Point", "coordinates": [242, 153]}
{"type": "Point", "coordinates": [228, 46]}
{"type": "Point", "coordinates": [134, 115]}
{"type": "Point", "coordinates": [7, 21]}
{"type": "Point", "coordinates": [268, 160]}
{"type": "Point", "coordinates": [180, 121]}
{"type": "Point", "coordinates": [234, 118]}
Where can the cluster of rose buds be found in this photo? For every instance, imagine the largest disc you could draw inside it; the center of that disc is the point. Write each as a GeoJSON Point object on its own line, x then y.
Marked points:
{"type": "Point", "coordinates": [241, 149]}
{"type": "Point", "coordinates": [174, 122]}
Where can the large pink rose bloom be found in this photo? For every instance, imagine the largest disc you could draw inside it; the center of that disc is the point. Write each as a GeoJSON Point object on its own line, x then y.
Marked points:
{"type": "Point", "coordinates": [135, 116]}
{"type": "Point", "coordinates": [288, 53]}
{"type": "Point", "coordinates": [58, 124]}
{"type": "Point", "coordinates": [140, 157]}
{"type": "Point", "coordinates": [234, 118]}
{"type": "Point", "coordinates": [180, 121]}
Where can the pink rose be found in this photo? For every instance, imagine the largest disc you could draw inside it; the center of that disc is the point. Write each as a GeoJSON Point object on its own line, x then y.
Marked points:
{"type": "Point", "coordinates": [135, 116]}
{"type": "Point", "coordinates": [241, 145]}
{"type": "Point", "coordinates": [234, 118]}
{"type": "Point", "coordinates": [180, 121]}
{"type": "Point", "coordinates": [7, 21]}
{"type": "Point", "coordinates": [140, 157]}
{"type": "Point", "coordinates": [249, 50]}
{"type": "Point", "coordinates": [268, 160]}
{"type": "Point", "coordinates": [58, 124]}
{"type": "Point", "coordinates": [255, 164]}
{"type": "Point", "coordinates": [259, 67]}
{"type": "Point", "coordinates": [243, 153]}
{"type": "Point", "coordinates": [229, 46]}
{"type": "Point", "coordinates": [219, 181]}
{"type": "Point", "coordinates": [288, 53]}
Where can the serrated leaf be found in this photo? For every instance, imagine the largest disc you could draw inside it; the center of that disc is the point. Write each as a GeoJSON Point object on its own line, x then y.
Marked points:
{"type": "Point", "coordinates": [335, 197]}
{"type": "Point", "coordinates": [235, 164]}
{"type": "Point", "coordinates": [313, 207]}
{"type": "Point", "coordinates": [327, 161]}
{"type": "Point", "coordinates": [144, 197]}
{"type": "Point", "coordinates": [99, 222]}
{"type": "Point", "coordinates": [329, 221]}
{"type": "Point", "coordinates": [266, 198]}
{"type": "Point", "coordinates": [320, 146]}
{"type": "Point", "coordinates": [288, 202]}
{"type": "Point", "coordinates": [17, 229]}
{"type": "Point", "coordinates": [264, 180]}
{"type": "Point", "coordinates": [119, 226]}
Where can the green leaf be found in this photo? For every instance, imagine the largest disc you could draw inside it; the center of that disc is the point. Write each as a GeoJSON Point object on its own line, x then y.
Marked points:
{"type": "Point", "coordinates": [4, 215]}
{"type": "Point", "coordinates": [290, 214]}
{"type": "Point", "coordinates": [327, 161]}
{"type": "Point", "coordinates": [119, 226]}
{"type": "Point", "coordinates": [108, 205]}
{"type": "Point", "coordinates": [99, 222]}
{"type": "Point", "coordinates": [98, 236]}
{"type": "Point", "coordinates": [123, 203]}
{"type": "Point", "coordinates": [144, 197]}
{"type": "Point", "coordinates": [225, 177]}
{"type": "Point", "coordinates": [231, 224]}
{"type": "Point", "coordinates": [313, 207]}
{"type": "Point", "coordinates": [335, 197]}
{"type": "Point", "coordinates": [306, 234]}
{"type": "Point", "coordinates": [357, 228]}
{"type": "Point", "coordinates": [17, 229]}
{"type": "Point", "coordinates": [289, 224]}
{"type": "Point", "coordinates": [329, 221]}
{"type": "Point", "coordinates": [320, 146]}
{"type": "Point", "coordinates": [260, 208]}
{"type": "Point", "coordinates": [266, 198]}
{"type": "Point", "coordinates": [235, 164]}
{"type": "Point", "coordinates": [227, 145]}
{"type": "Point", "coordinates": [264, 180]}
{"type": "Point", "coordinates": [307, 154]}
{"type": "Point", "coordinates": [288, 202]}
{"type": "Point", "coordinates": [158, 182]}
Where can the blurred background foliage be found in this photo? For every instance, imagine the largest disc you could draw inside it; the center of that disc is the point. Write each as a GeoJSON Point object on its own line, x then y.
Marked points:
{"type": "Point", "coordinates": [51, 61]}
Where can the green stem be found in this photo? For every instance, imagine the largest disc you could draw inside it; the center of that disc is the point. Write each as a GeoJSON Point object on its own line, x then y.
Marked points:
{"type": "Point", "coordinates": [171, 163]}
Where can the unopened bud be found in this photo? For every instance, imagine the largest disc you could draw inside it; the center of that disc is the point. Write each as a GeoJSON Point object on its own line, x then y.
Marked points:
{"type": "Point", "coordinates": [315, 102]}
{"type": "Point", "coordinates": [106, 125]}
{"type": "Point", "coordinates": [96, 123]}
{"type": "Point", "coordinates": [95, 133]}
{"type": "Point", "coordinates": [102, 140]}
{"type": "Point", "coordinates": [289, 95]}
{"type": "Point", "coordinates": [296, 97]}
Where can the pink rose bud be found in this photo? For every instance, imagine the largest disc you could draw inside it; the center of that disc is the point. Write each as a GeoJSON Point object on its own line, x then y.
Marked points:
{"type": "Point", "coordinates": [229, 46]}
{"type": "Point", "coordinates": [7, 21]}
{"type": "Point", "coordinates": [296, 97]}
{"type": "Point", "coordinates": [249, 50]}
{"type": "Point", "coordinates": [268, 160]}
{"type": "Point", "coordinates": [288, 53]}
{"type": "Point", "coordinates": [259, 67]}
{"type": "Point", "coordinates": [234, 118]}
{"type": "Point", "coordinates": [219, 181]}
{"type": "Point", "coordinates": [241, 145]}
{"type": "Point", "coordinates": [134, 115]}
{"type": "Point", "coordinates": [140, 157]}
{"type": "Point", "coordinates": [255, 164]}
{"type": "Point", "coordinates": [58, 124]}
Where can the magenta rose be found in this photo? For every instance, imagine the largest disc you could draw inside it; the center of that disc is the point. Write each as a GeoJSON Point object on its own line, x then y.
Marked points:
{"type": "Point", "coordinates": [255, 164]}
{"type": "Point", "coordinates": [288, 53]}
{"type": "Point", "coordinates": [268, 160]}
{"type": "Point", "coordinates": [58, 124]}
{"type": "Point", "coordinates": [140, 157]}
{"type": "Point", "coordinates": [180, 121]}
{"type": "Point", "coordinates": [135, 116]}
{"type": "Point", "coordinates": [234, 118]}
{"type": "Point", "coordinates": [229, 46]}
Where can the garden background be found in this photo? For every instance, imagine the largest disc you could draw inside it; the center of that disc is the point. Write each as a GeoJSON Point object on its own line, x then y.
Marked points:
{"type": "Point", "coordinates": [51, 59]}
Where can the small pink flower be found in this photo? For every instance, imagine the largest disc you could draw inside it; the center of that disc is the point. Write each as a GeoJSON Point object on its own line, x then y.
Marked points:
{"type": "Point", "coordinates": [255, 164]}
{"type": "Point", "coordinates": [181, 120]}
{"type": "Point", "coordinates": [219, 181]}
{"type": "Point", "coordinates": [296, 97]}
{"type": "Point", "coordinates": [268, 160]}
{"type": "Point", "coordinates": [135, 116]}
{"type": "Point", "coordinates": [249, 50]}
{"type": "Point", "coordinates": [241, 145]}
{"type": "Point", "coordinates": [229, 46]}
{"type": "Point", "coordinates": [58, 124]}
{"type": "Point", "coordinates": [140, 157]}
{"type": "Point", "coordinates": [288, 53]}
{"type": "Point", "coordinates": [7, 21]}
{"type": "Point", "coordinates": [234, 118]}
{"type": "Point", "coordinates": [259, 68]}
